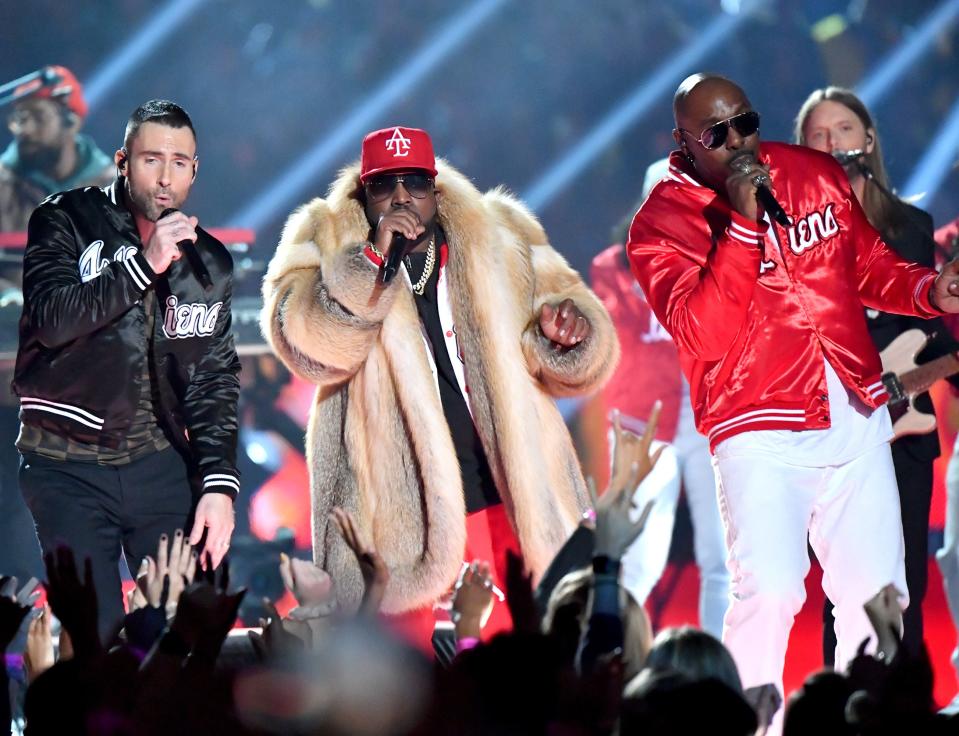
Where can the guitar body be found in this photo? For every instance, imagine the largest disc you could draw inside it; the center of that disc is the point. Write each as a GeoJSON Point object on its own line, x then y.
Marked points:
{"type": "Point", "coordinates": [899, 358]}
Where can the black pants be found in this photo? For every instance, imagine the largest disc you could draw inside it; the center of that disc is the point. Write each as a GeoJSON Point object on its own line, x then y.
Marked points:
{"type": "Point", "coordinates": [99, 510]}
{"type": "Point", "coordinates": [914, 478]}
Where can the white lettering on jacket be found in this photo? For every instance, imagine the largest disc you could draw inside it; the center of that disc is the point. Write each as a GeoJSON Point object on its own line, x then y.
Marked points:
{"type": "Point", "coordinates": [189, 320]}
{"type": "Point", "coordinates": [812, 229]}
{"type": "Point", "coordinates": [91, 264]}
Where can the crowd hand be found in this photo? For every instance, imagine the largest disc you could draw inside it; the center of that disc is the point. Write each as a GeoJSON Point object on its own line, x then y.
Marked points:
{"type": "Point", "coordinates": [629, 449]}
{"type": "Point", "coordinates": [214, 513]}
{"type": "Point", "coordinates": [564, 325]}
{"type": "Point", "coordinates": [161, 248]}
{"type": "Point", "coordinates": [173, 569]}
{"type": "Point", "coordinates": [400, 221]}
{"type": "Point", "coordinates": [945, 289]}
{"type": "Point", "coordinates": [472, 600]}
{"type": "Point", "coordinates": [12, 611]}
{"type": "Point", "coordinates": [206, 607]}
{"type": "Point", "coordinates": [376, 574]}
{"type": "Point", "coordinates": [885, 615]}
{"type": "Point", "coordinates": [275, 642]}
{"type": "Point", "coordinates": [765, 700]}
{"type": "Point", "coordinates": [632, 462]}
{"type": "Point", "coordinates": [742, 185]}
{"type": "Point", "coordinates": [603, 686]}
{"type": "Point", "coordinates": [310, 585]}
{"type": "Point", "coordinates": [38, 654]}
{"type": "Point", "coordinates": [73, 601]}
{"type": "Point", "coordinates": [519, 595]}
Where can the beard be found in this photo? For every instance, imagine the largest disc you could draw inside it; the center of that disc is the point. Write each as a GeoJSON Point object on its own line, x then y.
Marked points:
{"type": "Point", "coordinates": [144, 202]}
{"type": "Point", "coordinates": [38, 158]}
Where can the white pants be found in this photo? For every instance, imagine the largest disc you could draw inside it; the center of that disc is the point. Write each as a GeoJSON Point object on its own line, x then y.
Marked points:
{"type": "Point", "coordinates": [948, 556]}
{"type": "Point", "coordinates": [850, 514]}
{"type": "Point", "coordinates": [684, 463]}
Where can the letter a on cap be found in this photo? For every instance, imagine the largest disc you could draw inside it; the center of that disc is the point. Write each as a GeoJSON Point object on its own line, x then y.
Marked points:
{"type": "Point", "coordinates": [398, 144]}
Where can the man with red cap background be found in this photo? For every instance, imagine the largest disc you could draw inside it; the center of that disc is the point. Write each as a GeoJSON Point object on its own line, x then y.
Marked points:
{"type": "Point", "coordinates": [434, 423]}
{"type": "Point", "coordinates": [48, 153]}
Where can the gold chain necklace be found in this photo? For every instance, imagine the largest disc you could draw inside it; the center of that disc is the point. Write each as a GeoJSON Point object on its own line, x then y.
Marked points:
{"type": "Point", "coordinates": [420, 286]}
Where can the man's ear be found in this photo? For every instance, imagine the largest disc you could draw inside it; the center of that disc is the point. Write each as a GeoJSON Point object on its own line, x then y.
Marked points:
{"type": "Point", "coordinates": [120, 159]}
{"type": "Point", "coordinates": [870, 140]}
{"type": "Point", "coordinates": [196, 165]}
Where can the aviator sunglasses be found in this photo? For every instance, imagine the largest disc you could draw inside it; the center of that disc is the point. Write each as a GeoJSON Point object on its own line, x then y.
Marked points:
{"type": "Point", "coordinates": [382, 185]}
{"type": "Point", "coordinates": [745, 123]}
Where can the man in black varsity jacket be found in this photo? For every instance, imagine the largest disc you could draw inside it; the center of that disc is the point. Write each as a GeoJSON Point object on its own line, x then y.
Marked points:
{"type": "Point", "coordinates": [126, 369]}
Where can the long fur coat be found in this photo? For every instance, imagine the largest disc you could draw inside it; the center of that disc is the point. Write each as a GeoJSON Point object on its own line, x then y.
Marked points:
{"type": "Point", "coordinates": [378, 443]}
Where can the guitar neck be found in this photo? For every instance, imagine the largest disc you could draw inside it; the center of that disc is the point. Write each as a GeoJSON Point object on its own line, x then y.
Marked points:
{"type": "Point", "coordinates": [920, 379]}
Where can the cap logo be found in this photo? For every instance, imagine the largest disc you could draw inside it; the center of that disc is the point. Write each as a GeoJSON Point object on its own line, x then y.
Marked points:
{"type": "Point", "coordinates": [398, 144]}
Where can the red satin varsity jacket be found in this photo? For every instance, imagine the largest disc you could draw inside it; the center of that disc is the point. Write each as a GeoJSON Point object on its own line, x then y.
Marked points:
{"type": "Point", "coordinates": [753, 321]}
{"type": "Point", "coordinates": [649, 364]}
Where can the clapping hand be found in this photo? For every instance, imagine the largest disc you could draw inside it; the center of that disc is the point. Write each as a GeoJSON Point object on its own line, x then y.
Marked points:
{"type": "Point", "coordinates": [73, 601]}
{"type": "Point", "coordinates": [375, 573]}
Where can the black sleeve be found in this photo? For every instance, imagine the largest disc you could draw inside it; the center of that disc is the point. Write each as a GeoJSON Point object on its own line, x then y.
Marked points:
{"type": "Point", "coordinates": [59, 305]}
{"type": "Point", "coordinates": [210, 407]}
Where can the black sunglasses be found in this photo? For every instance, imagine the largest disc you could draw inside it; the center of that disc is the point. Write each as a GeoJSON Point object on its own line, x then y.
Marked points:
{"type": "Point", "coordinates": [382, 185]}
{"type": "Point", "coordinates": [745, 123]}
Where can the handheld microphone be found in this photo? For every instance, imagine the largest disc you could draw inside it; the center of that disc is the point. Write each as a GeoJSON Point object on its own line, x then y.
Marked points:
{"type": "Point", "coordinates": [393, 259]}
{"type": "Point", "coordinates": [743, 162]}
{"type": "Point", "coordinates": [771, 206]}
{"type": "Point", "coordinates": [846, 157]}
{"type": "Point", "coordinates": [188, 249]}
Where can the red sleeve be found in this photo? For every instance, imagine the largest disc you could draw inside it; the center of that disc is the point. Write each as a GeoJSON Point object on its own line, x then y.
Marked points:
{"type": "Point", "coordinates": [886, 281]}
{"type": "Point", "coordinates": [702, 307]}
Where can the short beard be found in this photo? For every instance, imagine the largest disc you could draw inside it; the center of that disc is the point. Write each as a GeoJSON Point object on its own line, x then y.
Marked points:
{"type": "Point", "coordinates": [39, 159]}
{"type": "Point", "coordinates": [142, 202]}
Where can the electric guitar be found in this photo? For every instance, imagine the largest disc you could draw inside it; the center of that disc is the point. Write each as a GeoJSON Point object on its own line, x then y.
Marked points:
{"type": "Point", "coordinates": [904, 380]}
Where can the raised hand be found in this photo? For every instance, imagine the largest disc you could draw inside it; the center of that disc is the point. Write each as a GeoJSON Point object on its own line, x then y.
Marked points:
{"type": "Point", "coordinates": [161, 249]}
{"type": "Point", "coordinates": [564, 324]}
{"type": "Point", "coordinates": [628, 449]}
{"type": "Point", "coordinates": [174, 566]}
{"type": "Point", "coordinates": [472, 600]}
{"type": "Point", "coordinates": [309, 584]}
{"type": "Point", "coordinates": [73, 601]}
{"type": "Point", "coordinates": [206, 609]}
{"type": "Point", "coordinates": [375, 573]}
{"type": "Point", "coordinates": [38, 654]}
{"type": "Point", "coordinates": [275, 642]}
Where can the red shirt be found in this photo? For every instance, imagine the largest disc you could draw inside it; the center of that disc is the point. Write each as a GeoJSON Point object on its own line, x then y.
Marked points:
{"type": "Point", "coordinates": [649, 366]}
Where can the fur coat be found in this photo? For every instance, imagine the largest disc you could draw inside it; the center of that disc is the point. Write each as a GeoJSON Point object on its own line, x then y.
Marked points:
{"type": "Point", "coordinates": [378, 443]}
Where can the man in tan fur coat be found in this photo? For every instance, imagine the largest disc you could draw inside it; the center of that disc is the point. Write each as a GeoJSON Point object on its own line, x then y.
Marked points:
{"type": "Point", "coordinates": [434, 423]}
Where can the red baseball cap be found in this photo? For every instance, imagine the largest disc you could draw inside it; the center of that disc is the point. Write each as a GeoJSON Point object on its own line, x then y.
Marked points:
{"type": "Point", "coordinates": [59, 84]}
{"type": "Point", "coordinates": [396, 149]}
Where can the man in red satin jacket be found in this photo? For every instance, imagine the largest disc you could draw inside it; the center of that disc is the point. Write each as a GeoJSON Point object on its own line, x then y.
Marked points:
{"type": "Point", "coordinates": [784, 378]}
